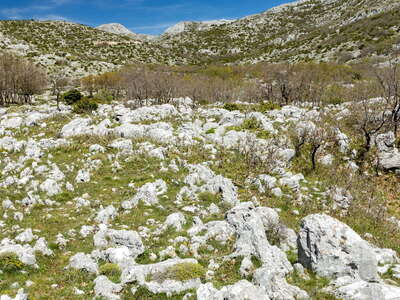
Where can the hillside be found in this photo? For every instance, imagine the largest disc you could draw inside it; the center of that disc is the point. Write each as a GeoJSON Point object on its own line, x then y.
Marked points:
{"type": "Point", "coordinates": [306, 30]}
{"type": "Point", "coordinates": [320, 30]}
{"type": "Point", "coordinates": [75, 48]}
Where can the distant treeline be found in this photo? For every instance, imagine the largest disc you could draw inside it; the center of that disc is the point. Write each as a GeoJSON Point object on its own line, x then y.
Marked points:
{"type": "Point", "coordinates": [282, 84]}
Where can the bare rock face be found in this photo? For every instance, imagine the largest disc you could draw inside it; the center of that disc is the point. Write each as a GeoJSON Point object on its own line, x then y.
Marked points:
{"type": "Point", "coordinates": [252, 241]}
{"type": "Point", "coordinates": [188, 25]}
{"type": "Point", "coordinates": [242, 290]}
{"type": "Point", "coordinates": [115, 28]}
{"type": "Point", "coordinates": [107, 289]}
{"type": "Point", "coordinates": [333, 250]}
{"type": "Point", "coordinates": [82, 261]}
{"type": "Point", "coordinates": [388, 154]}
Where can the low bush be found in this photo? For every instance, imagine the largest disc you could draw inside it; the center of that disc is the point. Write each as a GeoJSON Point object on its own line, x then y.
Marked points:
{"type": "Point", "coordinates": [71, 97]}
{"type": "Point", "coordinates": [9, 262]}
{"type": "Point", "coordinates": [231, 106]}
{"type": "Point", "coordinates": [110, 270]}
{"type": "Point", "coordinates": [267, 106]}
{"type": "Point", "coordinates": [104, 96]}
{"type": "Point", "coordinates": [251, 124]}
{"type": "Point", "coordinates": [186, 271]}
{"type": "Point", "coordinates": [180, 272]}
{"type": "Point", "coordinates": [85, 105]}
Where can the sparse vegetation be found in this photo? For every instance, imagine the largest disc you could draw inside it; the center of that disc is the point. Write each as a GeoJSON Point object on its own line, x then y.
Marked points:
{"type": "Point", "coordinates": [183, 272]}
{"type": "Point", "coordinates": [136, 179]}
{"type": "Point", "coordinates": [9, 262]}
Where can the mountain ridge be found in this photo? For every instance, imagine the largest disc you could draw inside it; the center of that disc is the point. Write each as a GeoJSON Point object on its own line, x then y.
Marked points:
{"type": "Point", "coordinates": [306, 30]}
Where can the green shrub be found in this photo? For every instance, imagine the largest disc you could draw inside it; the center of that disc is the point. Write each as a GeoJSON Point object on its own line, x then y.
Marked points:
{"type": "Point", "coordinates": [267, 106]}
{"type": "Point", "coordinates": [251, 124]}
{"type": "Point", "coordinates": [208, 197]}
{"type": "Point", "coordinates": [71, 97]}
{"type": "Point", "coordinates": [264, 135]}
{"type": "Point", "coordinates": [231, 106]}
{"type": "Point", "coordinates": [110, 270]}
{"type": "Point", "coordinates": [9, 262]}
{"type": "Point", "coordinates": [85, 105]}
{"type": "Point", "coordinates": [210, 131]}
{"type": "Point", "coordinates": [104, 96]}
{"type": "Point", "coordinates": [185, 271]}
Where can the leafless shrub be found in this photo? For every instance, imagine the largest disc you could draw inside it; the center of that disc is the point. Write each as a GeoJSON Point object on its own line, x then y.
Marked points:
{"type": "Point", "coordinates": [19, 80]}
{"type": "Point", "coordinates": [58, 82]}
{"type": "Point", "coordinates": [389, 82]}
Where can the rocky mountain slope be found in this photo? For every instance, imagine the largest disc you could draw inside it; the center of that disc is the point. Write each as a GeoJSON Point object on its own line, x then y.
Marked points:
{"type": "Point", "coordinates": [167, 200]}
{"type": "Point", "coordinates": [304, 30]}
{"type": "Point", "coordinates": [339, 30]}
{"type": "Point", "coordinates": [76, 49]}
{"type": "Point", "coordinates": [120, 29]}
{"type": "Point", "coordinates": [194, 26]}
{"type": "Point", "coordinates": [115, 28]}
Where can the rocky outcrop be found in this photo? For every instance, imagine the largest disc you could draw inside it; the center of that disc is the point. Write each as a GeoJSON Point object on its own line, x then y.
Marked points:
{"type": "Point", "coordinates": [252, 241]}
{"type": "Point", "coordinates": [333, 250]}
{"type": "Point", "coordinates": [388, 154]}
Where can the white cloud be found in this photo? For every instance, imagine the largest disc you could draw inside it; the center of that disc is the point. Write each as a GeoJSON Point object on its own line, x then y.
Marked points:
{"type": "Point", "coordinates": [52, 18]}
{"type": "Point", "coordinates": [24, 12]}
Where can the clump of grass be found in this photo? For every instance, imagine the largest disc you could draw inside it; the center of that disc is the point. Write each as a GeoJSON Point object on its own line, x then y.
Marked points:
{"type": "Point", "coordinates": [182, 272]}
{"type": "Point", "coordinates": [267, 106]}
{"type": "Point", "coordinates": [251, 124]}
{"type": "Point", "coordinates": [186, 271]}
{"type": "Point", "coordinates": [228, 273]}
{"type": "Point", "coordinates": [112, 271]}
{"type": "Point", "coordinates": [208, 197]}
{"type": "Point", "coordinates": [292, 257]}
{"type": "Point", "coordinates": [313, 286]}
{"type": "Point", "coordinates": [9, 262]}
{"type": "Point", "coordinates": [231, 106]}
{"type": "Point", "coordinates": [210, 131]}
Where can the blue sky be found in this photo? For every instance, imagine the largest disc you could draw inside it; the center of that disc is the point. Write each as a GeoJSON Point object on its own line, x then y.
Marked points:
{"type": "Point", "coordinates": [141, 16]}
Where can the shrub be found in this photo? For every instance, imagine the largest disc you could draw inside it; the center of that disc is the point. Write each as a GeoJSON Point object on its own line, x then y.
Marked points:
{"type": "Point", "coordinates": [9, 262]}
{"type": "Point", "coordinates": [267, 106]}
{"type": "Point", "coordinates": [185, 271]}
{"type": "Point", "coordinates": [231, 106]}
{"type": "Point", "coordinates": [110, 270]}
{"type": "Point", "coordinates": [71, 97]}
{"type": "Point", "coordinates": [20, 79]}
{"type": "Point", "coordinates": [104, 96]}
{"type": "Point", "coordinates": [251, 124]}
{"type": "Point", "coordinates": [210, 131]}
{"type": "Point", "coordinates": [208, 197]}
{"type": "Point", "coordinates": [85, 105]}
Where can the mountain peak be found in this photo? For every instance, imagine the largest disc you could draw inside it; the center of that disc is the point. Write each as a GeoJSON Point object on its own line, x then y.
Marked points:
{"type": "Point", "coordinates": [115, 28]}
{"type": "Point", "coordinates": [199, 25]}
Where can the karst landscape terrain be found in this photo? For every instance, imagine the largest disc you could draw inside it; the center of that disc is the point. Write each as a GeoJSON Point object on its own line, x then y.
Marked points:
{"type": "Point", "coordinates": [249, 159]}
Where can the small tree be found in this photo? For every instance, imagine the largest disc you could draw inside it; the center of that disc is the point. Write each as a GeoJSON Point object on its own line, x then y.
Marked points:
{"type": "Point", "coordinates": [58, 83]}
{"type": "Point", "coordinates": [88, 84]}
{"type": "Point", "coordinates": [389, 82]}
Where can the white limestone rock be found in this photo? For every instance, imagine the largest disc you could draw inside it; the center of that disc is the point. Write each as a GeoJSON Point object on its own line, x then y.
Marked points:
{"type": "Point", "coordinates": [82, 261]}
{"type": "Point", "coordinates": [105, 288]}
